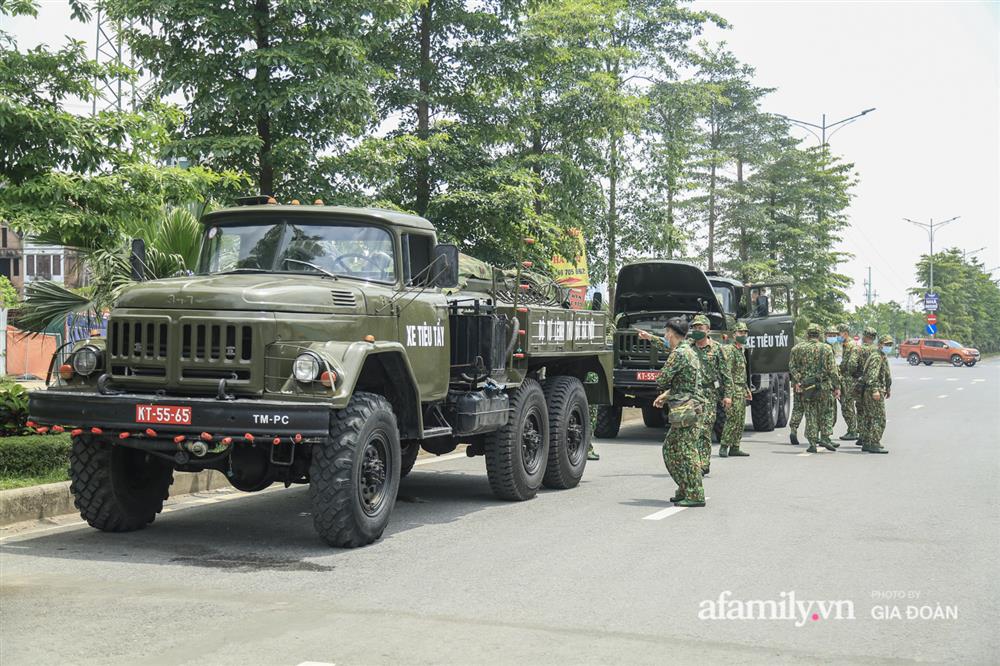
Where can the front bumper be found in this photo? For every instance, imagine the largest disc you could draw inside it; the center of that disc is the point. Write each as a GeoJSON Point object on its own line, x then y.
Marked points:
{"type": "Point", "coordinates": [633, 392]}
{"type": "Point", "coordinates": [220, 418]}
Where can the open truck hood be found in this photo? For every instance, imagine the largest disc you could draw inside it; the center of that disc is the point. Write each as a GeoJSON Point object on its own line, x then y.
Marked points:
{"type": "Point", "coordinates": [665, 286]}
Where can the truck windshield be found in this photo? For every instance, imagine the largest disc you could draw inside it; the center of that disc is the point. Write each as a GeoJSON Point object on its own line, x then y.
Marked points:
{"type": "Point", "coordinates": [356, 251]}
{"type": "Point", "coordinates": [725, 296]}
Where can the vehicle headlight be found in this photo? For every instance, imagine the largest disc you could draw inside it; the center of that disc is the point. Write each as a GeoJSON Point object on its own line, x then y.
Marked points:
{"type": "Point", "coordinates": [85, 361]}
{"type": "Point", "coordinates": [306, 367]}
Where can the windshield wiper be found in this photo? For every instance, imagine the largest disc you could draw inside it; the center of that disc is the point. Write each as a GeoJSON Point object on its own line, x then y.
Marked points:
{"type": "Point", "coordinates": [288, 260]}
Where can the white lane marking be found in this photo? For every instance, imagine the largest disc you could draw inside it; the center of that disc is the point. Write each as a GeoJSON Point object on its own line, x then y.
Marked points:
{"type": "Point", "coordinates": [952, 379]}
{"type": "Point", "coordinates": [925, 379]}
{"type": "Point", "coordinates": [916, 407]}
{"type": "Point", "coordinates": [317, 663]}
{"type": "Point", "coordinates": [450, 456]}
{"type": "Point", "coordinates": [943, 395]}
{"type": "Point", "coordinates": [804, 453]}
{"type": "Point", "coordinates": [978, 380]}
{"type": "Point", "coordinates": [960, 388]}
{"type": "Point", "coordinates": [669, 511]}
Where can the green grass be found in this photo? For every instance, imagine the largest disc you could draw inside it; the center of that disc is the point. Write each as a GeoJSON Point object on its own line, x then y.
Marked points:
{"type": "Point", "coordinates": [31, 460]}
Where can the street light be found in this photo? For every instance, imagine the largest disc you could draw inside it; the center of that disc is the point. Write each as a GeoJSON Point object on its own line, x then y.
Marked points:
{"type": "Point", "coordinates": [823, 127]}
{"type": "Point", "coordinates": [929, 228]}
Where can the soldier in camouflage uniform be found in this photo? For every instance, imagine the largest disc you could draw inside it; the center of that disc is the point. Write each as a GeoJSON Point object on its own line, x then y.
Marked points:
{"type": "Point", "coordinates": [716, 383]}
{"type": "Point", "coordinates": [856, 369]}
{"type": "Point", "coordinates": [813, 369]}
{"type": "Point", "coordinates": [877, 387]}
{"type": "Point", "coordinates": [680, 380]}
{"type": "Point", "coordinates": [830, 410]}
{"type": "Point", "coordinates": [798, 405]}
{"type": "Point", "coordinates": [736, 416]}
{"type": "Point", "coordinates": [848, 405]}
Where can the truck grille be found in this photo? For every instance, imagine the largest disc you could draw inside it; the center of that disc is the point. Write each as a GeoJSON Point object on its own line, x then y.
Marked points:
{"type": "Point", "coordinates": [214, 342]}
{"type": "Point", "coordinates": [632, 352]}
{"type": "Point", "coordinates": [138, 340]}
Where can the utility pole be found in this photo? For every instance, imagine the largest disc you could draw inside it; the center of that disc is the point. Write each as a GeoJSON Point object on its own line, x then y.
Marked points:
{"type": "Point", "coordinates": [930, 228]}
{"type": "Point", "coordinates": [868, 287]}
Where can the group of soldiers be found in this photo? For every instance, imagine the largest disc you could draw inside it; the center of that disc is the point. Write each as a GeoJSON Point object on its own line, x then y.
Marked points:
{"type": "Point", "coordinates": [700, 376]}
{"type": "Point", "coordinates": [862, 383]}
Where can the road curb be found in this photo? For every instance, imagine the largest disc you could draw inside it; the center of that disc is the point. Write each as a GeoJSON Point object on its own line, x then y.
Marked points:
{"type": "Point", "coordinates": [54, 499]}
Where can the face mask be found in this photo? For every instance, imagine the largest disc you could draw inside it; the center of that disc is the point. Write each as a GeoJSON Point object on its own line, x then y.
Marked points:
{"type": "Point", "coordinates": [697, 335]}
{"type": "Point", "coordinates": [742, 339]}
{"type": "Point", "coordinates": [886, 350]}
{"type": "Point", "coordinates": [666, 341]}
{"type": "Point", "coordinates": [832, 339]}
{"type": "Point", "coordinates": [840, 338]}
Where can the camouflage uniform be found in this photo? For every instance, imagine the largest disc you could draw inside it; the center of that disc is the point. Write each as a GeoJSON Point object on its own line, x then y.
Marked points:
{"type": "Point", "coordinates": [876, 379]}
{"type": "Point", "coordinates": [681, 379]}
{"type": "Point", "coordinates": [830, 411]}
{"type": "Point", "coordinates": [856, 369]}
{"type": "Point", "coordinates": [814, 363]}
{"type": "Point", "coordinates": [715, 385]}
{"type": "Point", "coordinates": [798, 406]}
{"type": "Point", "coordinates": [848, 403]}
{"type": "Point", "coordinates": [736, 417]}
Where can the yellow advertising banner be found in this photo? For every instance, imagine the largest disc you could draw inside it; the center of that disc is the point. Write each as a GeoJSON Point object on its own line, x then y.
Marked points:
{"type": "Point", "coordinates": [572, 273]}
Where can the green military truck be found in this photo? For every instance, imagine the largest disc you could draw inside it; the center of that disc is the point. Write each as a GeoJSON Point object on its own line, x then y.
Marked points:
{"type": "Point", "coordinates": [650, 292]}
{"type": "Point", "coordinates": [324, 345]}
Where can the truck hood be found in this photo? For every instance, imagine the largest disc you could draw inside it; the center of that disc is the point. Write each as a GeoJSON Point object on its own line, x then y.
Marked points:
{"type": "Point", "coordinates": [285, 293]}
{"type": "Point", "coordinates": [664, 286]}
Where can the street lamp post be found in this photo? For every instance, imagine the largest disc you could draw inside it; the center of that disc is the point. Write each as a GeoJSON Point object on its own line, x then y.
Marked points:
{"type": "Point", "coordinates": [824, 126]}
{"type": "Point", "coordinates": [930, 228]}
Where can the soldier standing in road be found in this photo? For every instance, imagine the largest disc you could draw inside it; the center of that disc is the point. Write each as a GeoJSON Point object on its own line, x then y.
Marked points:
{"type": "Point", "coordinates": [830, 411]}
{"type": "Point", "coordinates": [680, 380]}
{"type": "Point", "coordinates": [877, 389]}
{"type": "Point", "coordinates": [857, 371]}
{"type": "Point", "coordinates": [848, 408]}
{"type": "Point", "coordinates": [716, 384]}
{"type": "Point", "coordinates": [736, 416]}
{"type": "Point", "coordinates": [814, 374]}
{"type": "Point", "coordinates": [798, 406]}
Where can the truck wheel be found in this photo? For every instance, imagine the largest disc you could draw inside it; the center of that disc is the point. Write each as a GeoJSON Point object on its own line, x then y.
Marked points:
{"type": "Point", "coordinates": [608, 422]}
{"type": "Point", "coordinates": [956, 360]}
{"type": "Point", "coordinates": [516, 454]}
{"type": "Point", "coordinates": [763, 410]}
{"type": "Point", "coordinates": [116, 488]}
{"type": "Point", "coordinates": [913, 358]}
{"type": "Point", "coordinates": [653, 417]}
{"type": "Point", "coordinates": [408, 458]}
{"type": "Point", "coordinates": [354, 474]}
{"type": "Point", "coordinates": [569, 432]}
{"type": "Point", "coordinates": [784, 404]}
{"type": "Point", "coordinates": [719, 424]}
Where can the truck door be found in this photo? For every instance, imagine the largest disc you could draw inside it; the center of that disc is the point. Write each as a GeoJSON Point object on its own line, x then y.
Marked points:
{"type": "Point", "coordinates": [423, 319]}
{"type": "Point", "coordinates": [771, 326]}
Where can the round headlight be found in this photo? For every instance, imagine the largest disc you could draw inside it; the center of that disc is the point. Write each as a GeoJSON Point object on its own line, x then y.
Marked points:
{"type": "Point", "coordinates": [306, 367]}
{"type": "Point", "coordinates": [85, 361]}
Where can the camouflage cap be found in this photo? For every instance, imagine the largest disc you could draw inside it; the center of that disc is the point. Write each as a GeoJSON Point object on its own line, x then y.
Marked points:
{"type": "Point", "coordinates": [814, 329]}
{"type": "Point", "coordinates": [870, 332]}
{"type": "Point", "coordinates": [843, 328]}
{"type": "Point", "coordinates": [741, 326]}
{"type": "Point", "coordinates": [885, 340]}
{"type": "Point", "coordinates": [700, 319]}
{"type": "Point", "coordinates": [831, 329]}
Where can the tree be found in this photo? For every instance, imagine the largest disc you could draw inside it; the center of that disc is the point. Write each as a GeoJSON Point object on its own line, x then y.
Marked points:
{"type": "Point", "coordinates": [269, 86]}
{"type": "Point", "coordinates": [969, 301]}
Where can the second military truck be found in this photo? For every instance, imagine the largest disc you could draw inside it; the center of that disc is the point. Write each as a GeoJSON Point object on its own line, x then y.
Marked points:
{"type": "Point", "coordinates": [324, 345]}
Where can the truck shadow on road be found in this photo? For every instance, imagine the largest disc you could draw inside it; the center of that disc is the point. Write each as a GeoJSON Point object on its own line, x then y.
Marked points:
{"type": "Point", "coordinates": [269, 531]}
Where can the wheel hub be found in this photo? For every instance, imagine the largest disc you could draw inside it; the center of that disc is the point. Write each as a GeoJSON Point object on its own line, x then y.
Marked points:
{"type": "Point", "coordinates": [574, 436]}
{"type": "Point", "coordinates": [531, 443]}
{"type": "Point", "coordinates": [374, 473]}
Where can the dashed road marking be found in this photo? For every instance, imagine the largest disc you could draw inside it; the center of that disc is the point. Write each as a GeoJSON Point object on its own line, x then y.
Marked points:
{"type": "Point", "coordinates": [925, 379]}
{"type": "Point", "coordinates": [960, 388]}
{"type": "Point", "coordinates": [450, 456]}
{"type": "Point", "coordinates": [978, 380]}
{"type": "Point", "coordinates": [916, 407]}
{"type": "Point", "coordinates": [803, 454]}
{"type": "Point", "coordinates": [669, 511]}
{"type": "Point", "coordinates": [952, 379]}
{"type": "Point", "coordinates": [943, 395]}
{"type": "Point", "coordinates": [316, 663]}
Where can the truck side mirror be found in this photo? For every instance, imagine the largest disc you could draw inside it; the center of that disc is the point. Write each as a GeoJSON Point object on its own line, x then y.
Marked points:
{"type": "Point", "coordinates": [137, 260]}
{"type": "Point", "coordinates": [445, 266]}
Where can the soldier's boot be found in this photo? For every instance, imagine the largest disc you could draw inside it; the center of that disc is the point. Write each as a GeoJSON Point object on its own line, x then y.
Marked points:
{"type": "Point", "coordinates": [877, 448]}
{"type": "Point", "coordinates": [811, 449]}
{"type": "Point", "coordinates": [723, 451]}
{"type": "Point", "coordinates": [828, 446]}
{"type": "Point", "coordinates": [849, 436]}
{"type": "Point", "coordinates": [687, 503]}
{"type": "Point", "coordinates": [592, 454]}
{"type": "Point", "coordinates": [735, 452]}
{"type": "Point", "coordinates": [831, 443]}
{"type": "Point", "coordinates": [706, 470]}
{"type": "Point", "coordinates": [678, 496]}
{"type": "Point", "coordinates": [793, 437]}
{"type": "Point", "coordinates": [860, 442]}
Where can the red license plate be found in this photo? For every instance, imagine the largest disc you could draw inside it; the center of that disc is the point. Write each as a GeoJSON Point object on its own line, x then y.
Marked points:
{"type": "Point", "coordinates": [163, 414]}
{"type": "Point", "coordinates": [647, 376]}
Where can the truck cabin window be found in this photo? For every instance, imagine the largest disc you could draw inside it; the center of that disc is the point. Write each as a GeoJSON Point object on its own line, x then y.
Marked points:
{"type": "Point", "coordinates": [416, 260]}
{"type": "Point", "coordinates": [725, 296]}
{"type": "Point", "coordinates": [356, 251]}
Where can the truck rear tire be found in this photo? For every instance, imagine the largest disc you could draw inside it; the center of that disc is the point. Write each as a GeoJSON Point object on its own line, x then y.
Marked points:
{"type": "Point", "coordinates": [763, 409]}
{"type": "Point", "coordinates": [784, 398]}
{"type": "Point", "coordinates": [569, 432]}
{"type": "Point", "coordinates": [117, 488]}
{"type": "Point", "coordinates": [408, 458]}
{"type": "Point", "coordinates": [608, 422]}
{"type": "Point", "coordinates": [517, 453]}
{"type": "Point", "coordinates": [653, 417]}
{"type": "Point", "coordinates": [354, 475]}
{"type": "Point", "coordinates": [719, 424]}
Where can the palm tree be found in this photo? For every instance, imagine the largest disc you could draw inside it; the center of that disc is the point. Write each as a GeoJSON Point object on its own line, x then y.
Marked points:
{"type": "Point", "coordinates": [173, 240]}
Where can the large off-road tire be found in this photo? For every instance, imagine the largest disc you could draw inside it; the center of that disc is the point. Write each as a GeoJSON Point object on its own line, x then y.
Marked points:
{"type": "Point", "coordinates": [763, 411]}
{"type": "Point", "coordinates": [569, 432]}
{"type": "Point", "coordinates": [719, 424]}
{"type": "Point", "coordinates": [517, 453]}
{"type": "Point", "coordinates": [913, 358]}
{"type": "Point", "coordinates": [784, 398]}
{"type": "Point", "coordinates": [653, 417]}
{"type": "Point", "coordinates": [354, 475]}
{"type": "Point", "coordinates": [408, 458]}
{"type": "Point", "coordinates": [116, 488]}
{"type": "Point", "coordinates": [608, 422]}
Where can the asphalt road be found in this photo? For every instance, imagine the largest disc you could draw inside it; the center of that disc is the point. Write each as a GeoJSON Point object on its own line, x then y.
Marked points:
{"type": "Point", "coordinates": [605, 573]}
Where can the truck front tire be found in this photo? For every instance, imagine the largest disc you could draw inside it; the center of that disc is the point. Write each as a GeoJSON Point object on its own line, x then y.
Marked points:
{"type": "Point", "coordinates": [517, 453]}
{"type": "Point", "coordinates": [608, 422]}
{"type": "Point", "coordinates": [763, 410]}
{"type": "Point", "coordinates": [569, 432]}
{"type": "Point", "coordinates": [116, 488]}
{"type": "Point", "coordinates": [354, 475]}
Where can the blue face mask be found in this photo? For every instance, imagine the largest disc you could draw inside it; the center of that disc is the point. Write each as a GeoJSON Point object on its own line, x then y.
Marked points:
{"type": "Point", "coordinates": [840, 338]}
{"type": "Point", "coordinates": [887, 350]}
{"type": "Point", "coordinates": [832, 339]}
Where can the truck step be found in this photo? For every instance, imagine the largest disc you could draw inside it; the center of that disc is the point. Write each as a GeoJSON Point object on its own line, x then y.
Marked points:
{"type": "Point", "coordinates": [431, 433]}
